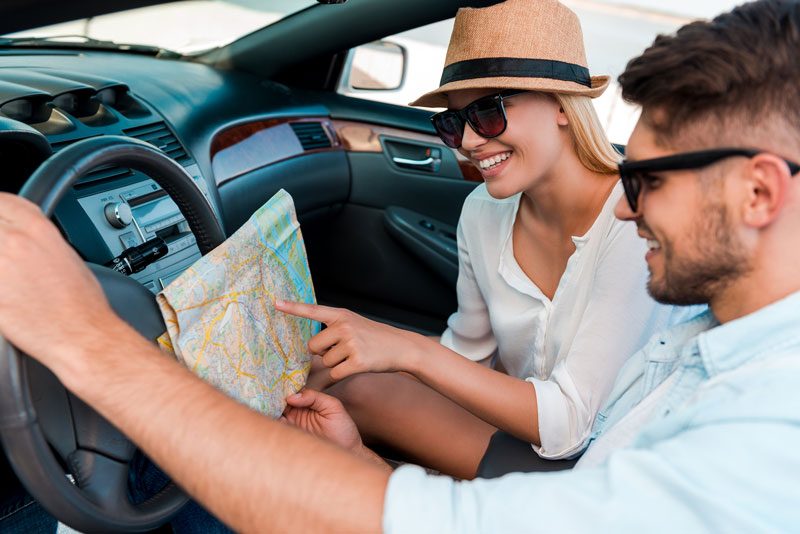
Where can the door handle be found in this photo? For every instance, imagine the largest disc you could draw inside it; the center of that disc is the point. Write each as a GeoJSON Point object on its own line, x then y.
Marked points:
{"type": "Point", "coordinates": [413, 162]}
{"type": "Point", "coordinates": [413, 156]}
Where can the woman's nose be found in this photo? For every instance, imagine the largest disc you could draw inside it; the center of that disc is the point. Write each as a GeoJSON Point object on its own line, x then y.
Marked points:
{"type": "Point", "coordinates": [471, 140]}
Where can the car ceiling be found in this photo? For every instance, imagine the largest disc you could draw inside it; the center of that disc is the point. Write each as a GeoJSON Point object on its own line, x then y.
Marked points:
{"type": "Point", "coordinates": [334, 27]}
{"type": "Point", "coordinates": [268, 51]}
{"type": "Point", "coordinates": [18, 15]}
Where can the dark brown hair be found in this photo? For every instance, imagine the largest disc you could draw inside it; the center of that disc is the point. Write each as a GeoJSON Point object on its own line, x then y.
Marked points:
{"type": "Point", "coordinates": [739, 69]}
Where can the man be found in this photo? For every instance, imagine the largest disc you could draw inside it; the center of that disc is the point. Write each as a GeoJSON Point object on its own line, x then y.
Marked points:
{"type": "Point", "coordinates": [701, 430]}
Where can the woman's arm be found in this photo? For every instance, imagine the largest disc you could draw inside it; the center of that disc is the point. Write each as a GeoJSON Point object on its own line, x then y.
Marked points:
{"type": "Point", "coordinates": [469, 330]}
{"type": "Point", "coordinates": [353, 344]}
{"type": "Point", "coordinates": [503, 401]}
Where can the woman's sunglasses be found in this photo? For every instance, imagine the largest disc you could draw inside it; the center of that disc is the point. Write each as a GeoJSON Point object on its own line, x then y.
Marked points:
{"type": "Point", "coordinates": [634, 174]}
{"type": "Point", "coordinates": [486, 116]}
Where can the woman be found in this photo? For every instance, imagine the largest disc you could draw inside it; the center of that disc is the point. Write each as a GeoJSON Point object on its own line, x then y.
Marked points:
{"type": "Point", "coordinates": [550, 285]}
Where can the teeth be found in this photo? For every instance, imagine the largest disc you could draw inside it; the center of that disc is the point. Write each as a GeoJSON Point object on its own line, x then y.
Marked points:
{"type": "Point", "coordinates": [494, 160]}
{"type": "Point", "coordinates": [652, 244]}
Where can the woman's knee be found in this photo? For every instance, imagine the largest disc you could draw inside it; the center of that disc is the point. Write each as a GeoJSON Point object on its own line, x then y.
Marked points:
{"type": "Point", "coordinates": [357, 392]}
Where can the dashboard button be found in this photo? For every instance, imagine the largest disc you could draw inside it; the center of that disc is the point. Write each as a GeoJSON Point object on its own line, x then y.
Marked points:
{"type": "Point", "coordinates": [129, 240]}
{"type": "Point", "coordinates": [118, 214]}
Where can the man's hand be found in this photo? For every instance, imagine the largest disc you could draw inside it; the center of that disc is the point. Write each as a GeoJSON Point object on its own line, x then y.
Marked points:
{"type": "Point", "coordinates": [48, 296]}
{"type": "Point", "coordinates": [352, 344]}
{"type": "Point", "coordinates": [324, 416]}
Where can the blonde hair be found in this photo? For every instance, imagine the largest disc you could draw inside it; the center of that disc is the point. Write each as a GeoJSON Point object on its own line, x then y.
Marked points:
{"type": "Point", "coordinates": [593, 148]}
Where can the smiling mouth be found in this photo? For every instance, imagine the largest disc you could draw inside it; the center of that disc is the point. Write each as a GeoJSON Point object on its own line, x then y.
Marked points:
{"type": "Point", "coordinates": [494, 161]}
{"type": "Point", "coordinates": [653, 245]}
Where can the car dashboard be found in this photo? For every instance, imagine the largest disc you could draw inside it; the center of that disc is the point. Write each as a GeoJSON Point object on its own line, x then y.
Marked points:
{"type": "Point", "coordinates": [187, 110]}
{"type": "Point", "coordinates": [390, 227]}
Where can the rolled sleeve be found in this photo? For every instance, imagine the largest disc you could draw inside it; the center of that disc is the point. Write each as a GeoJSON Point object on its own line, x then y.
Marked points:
{"type": "Point", "coordinates": [557, 437]}
{"type": "Point", "coordinates": [469, 329]}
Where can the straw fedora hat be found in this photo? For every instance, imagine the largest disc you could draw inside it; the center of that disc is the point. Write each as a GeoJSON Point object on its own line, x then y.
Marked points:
{"type": "Point", "coordinates": [516, 44]}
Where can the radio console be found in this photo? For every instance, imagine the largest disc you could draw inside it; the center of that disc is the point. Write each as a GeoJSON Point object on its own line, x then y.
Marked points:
{"type": "Point", "coordinates": [129, 215]}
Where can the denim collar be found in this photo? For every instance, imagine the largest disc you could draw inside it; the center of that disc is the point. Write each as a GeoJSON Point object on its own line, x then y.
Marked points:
{"type": "Point", "coordinates": [759, 334]}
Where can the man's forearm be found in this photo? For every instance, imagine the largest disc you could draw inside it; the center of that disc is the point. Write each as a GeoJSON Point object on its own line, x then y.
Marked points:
{"type": "Point", "coordinates": [253, 473]}
{"type": "Point", "coordinates": [373, 457]}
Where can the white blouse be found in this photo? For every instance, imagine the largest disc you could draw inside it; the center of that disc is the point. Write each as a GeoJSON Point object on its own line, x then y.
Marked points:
{"type": "Point", "coordinates": [570, 348]}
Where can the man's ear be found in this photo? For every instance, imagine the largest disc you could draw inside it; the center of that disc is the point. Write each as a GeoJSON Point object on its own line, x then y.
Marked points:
{"type": "Point", "coordinates": [767, 182]}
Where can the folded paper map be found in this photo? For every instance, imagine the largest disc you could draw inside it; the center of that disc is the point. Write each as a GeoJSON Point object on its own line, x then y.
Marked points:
{"type": "Point", "coordinates": [221, 321]}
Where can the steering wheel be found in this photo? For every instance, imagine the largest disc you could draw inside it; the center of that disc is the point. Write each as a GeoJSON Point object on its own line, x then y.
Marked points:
{"type": "Point", "coordinates": [46, 431]}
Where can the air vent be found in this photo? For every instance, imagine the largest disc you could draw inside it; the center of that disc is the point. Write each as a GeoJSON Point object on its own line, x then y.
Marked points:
{"type": "Point", "coordinates": [311, 135]}
{"type": "Point", "coordinates": [161, 137]}
{"type": "Point", "coordinates": [106, 173]}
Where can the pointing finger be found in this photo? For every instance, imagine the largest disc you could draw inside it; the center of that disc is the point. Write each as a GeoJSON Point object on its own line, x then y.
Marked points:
{"type": "Point", "coordinates": [323, 314]}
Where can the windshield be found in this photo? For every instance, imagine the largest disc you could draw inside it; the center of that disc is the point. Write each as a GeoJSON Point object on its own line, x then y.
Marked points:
{"type": "Point", "coordinates": [188, 27]}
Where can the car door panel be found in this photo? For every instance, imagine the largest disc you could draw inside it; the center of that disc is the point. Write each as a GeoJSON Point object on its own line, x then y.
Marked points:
{"type": "Point", "coordinates": [357, 264]}
{"type": "Point", "coordinates": [376, 182]}
{"type": "Point", "coordinates": [301, 177]}
{"type": "Point", "coordinates": [432, 241]}
{"type": "Point", "coordinates": [351, 181]}
{"type": "Point", "coordinates": [385, 267]}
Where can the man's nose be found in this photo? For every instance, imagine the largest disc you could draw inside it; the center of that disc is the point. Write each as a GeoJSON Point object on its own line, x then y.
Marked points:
{"type": "Point", "coordinates": [623, 210]}
{"type": "Point", "coordinates": [471, 140]}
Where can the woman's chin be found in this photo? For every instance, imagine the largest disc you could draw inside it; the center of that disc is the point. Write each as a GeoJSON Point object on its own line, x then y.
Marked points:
{"type": "Point", "coordinates": [500, 182]}
{"type": "Point", "coordinates": [501, 189]}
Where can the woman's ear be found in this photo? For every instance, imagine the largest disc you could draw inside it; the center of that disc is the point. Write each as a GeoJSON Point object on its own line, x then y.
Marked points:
{"type": "Point", "coordinates": [561, 118]}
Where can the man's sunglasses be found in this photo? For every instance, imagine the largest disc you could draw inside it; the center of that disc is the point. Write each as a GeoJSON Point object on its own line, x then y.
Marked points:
{"type": "Point", "coordinates": [636, 173]}
{"type": "Point", "coordinates": [486, 116]}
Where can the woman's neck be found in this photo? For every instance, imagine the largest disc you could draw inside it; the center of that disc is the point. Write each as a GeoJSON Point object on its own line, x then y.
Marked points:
{"type": "Point", "coordinates": [567, 199]}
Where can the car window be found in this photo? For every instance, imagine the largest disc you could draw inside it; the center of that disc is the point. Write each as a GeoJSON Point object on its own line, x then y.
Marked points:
{"type": "Point", "coordinates": [188, 27]}
{"type": "Point", "coordinates": [614, 32]}
{"type": "Point", "coordinates": [425, 49]}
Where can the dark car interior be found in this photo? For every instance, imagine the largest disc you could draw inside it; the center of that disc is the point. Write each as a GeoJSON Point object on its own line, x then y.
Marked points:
{"type": "Point", "coordinates": [244, 121]}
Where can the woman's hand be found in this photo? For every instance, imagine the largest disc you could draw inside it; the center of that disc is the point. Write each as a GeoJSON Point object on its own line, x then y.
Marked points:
{"type": "Point", "coordinates": [352, 344]}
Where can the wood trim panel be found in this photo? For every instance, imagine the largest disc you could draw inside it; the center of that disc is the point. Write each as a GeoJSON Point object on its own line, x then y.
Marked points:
{"type": "Point", "coordinates": [364, 137]}
{"type": "Point", "coordinates": [236, 134]}
{"type": "Point", "coordinates": [246, 147]}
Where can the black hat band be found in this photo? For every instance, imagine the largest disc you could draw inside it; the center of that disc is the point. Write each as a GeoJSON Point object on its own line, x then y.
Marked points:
{"type": "Point", "coordinates": [496, 67]}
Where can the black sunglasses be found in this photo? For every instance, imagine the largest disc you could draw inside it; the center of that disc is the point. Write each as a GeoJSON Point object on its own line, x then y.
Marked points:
{"type": "Point", "coordinates": [486, 116]}
{"type": "Point", "coordinates": [635, 173]}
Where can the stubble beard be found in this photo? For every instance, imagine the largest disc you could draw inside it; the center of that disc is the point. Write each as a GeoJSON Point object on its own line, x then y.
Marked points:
{"type": "Point", "coordinates": [716, 259]}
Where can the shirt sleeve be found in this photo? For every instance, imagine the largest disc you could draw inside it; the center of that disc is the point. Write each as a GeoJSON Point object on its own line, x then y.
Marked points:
{"type": "Point", "coordinates": [618, 320]}
{"type": "Point", "coordinates": [469, 330]}
{"type": "Point", "coordinates": [704, 480]}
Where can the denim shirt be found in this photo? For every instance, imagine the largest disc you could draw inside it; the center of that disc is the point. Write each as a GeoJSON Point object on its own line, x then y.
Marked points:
{"type": "Point", "coordinates": [719, 453]}
{"type": "Point", "coordinates": [652, 366]}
